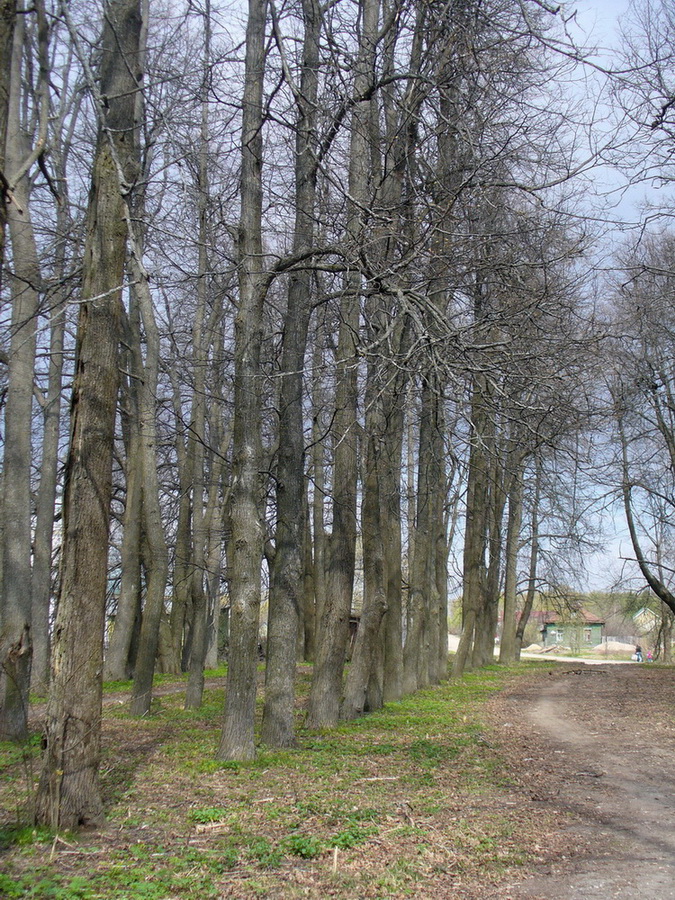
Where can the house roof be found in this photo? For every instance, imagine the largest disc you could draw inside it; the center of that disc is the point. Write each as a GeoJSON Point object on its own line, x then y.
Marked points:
{"type": "Point", "coordinates": [570, 618]}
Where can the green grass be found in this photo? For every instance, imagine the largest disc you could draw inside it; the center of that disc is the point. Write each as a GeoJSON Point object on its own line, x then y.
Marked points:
{"type": "Point", "coordinates": [383, 790]}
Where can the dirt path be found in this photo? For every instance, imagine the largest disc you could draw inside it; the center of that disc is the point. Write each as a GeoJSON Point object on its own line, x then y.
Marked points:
{"type": "Point", "coordinates": [597, 744]}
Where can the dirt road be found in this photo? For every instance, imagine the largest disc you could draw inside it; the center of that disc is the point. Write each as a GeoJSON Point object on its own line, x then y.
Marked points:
{"type": "Point", "coordinates": [597, 744]}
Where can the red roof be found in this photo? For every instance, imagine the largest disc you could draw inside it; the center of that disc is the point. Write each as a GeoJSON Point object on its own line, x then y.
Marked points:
{"type": "Point", "coordinates": [567, 617]}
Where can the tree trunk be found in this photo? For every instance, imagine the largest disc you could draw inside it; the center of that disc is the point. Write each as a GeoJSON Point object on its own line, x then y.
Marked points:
{"type": "Point", "coordinates": [62, 115]}
{"type": "Point", "coordinates": [486, 623]}
{"type": "Point", "coordinates": [287, 582]}
{"type": "Point", "coordinates": [438, 627]}
{"type": "Point", "coordinates": [237, 738]}
{"type": "Point", "coordinates": [199, 631]}
{"type": "Point", "coordinates": [181, 584]}
{"type": "Point", "coordinates": [117, 665]}
{"type": "Point", "coordinates": [391, 527]}
{"type": "Point", "coordinates": [68, 793]}
{"type": "Point", "coordinates": [393, 154]}
{"type": "Point", "coordinates": [367, 649]}
{"type": "Point", "coordinates": [422, 568]}
{"type": "Point", "coordinates": [507, 647]}
{"type": "Point", "coordinates": [325, 693]}
{"type": "Point", "coordinates": [15, 613]}
{"type": "Point", "coordinates": [385, 387]}
{"type": "Point", "coordinates": [7, 24]}
{"type": "Point", "coordinates": [474, 536]}
{"type": "Point", "coordinates": [318, 495]}
{"type": "Point", "coordinates": [155, 555]}
{"type": "Point", "coordinates": [41, 585]}
{"type": "Point", "coordinates": [534, 560]}
{"type": "Point", "coordinates": [308, 630]}
{"type": "Point", "coordinates": [441, 574]}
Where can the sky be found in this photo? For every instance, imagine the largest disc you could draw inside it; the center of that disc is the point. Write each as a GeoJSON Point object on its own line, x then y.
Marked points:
{"type": "Point", "coordinates": [600, 16]}
{"type": "Point", "coordinates": [598, 22]}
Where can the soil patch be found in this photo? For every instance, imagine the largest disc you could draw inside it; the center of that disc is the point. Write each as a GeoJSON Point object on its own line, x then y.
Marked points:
{"type": "Point", "coordinates": [594, 745]}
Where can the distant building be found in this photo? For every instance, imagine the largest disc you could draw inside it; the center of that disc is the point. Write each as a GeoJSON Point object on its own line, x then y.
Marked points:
{"type": "Point", "coordinates": [646, 619]}
{"type": "Point", "coordinates": [573, 629]}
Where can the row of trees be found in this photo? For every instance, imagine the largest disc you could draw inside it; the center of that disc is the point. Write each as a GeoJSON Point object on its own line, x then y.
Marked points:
{"type": "Point", "coordinates": [317, 286]}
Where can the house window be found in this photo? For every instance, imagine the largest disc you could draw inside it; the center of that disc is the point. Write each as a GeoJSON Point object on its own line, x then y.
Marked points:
{"type": "Point", "coordinates": [588, 634]}
{"type": "Point", "coordinates": [559, 636]}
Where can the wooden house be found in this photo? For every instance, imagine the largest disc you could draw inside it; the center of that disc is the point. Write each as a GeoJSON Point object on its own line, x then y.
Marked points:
{"type": "Point", "coordinates": [572, 629]}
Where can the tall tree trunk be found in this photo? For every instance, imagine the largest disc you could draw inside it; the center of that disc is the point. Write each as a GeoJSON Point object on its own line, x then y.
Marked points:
{"type": "Point", "coordinates": [118, 665]}
{"type": "Point", "coordinates": [7, 24]}
{"type": "Point", "coordinates": [155, 555]}
{"type": "Point", "coordinates": [507, 647]}
{"type": "Point", "coordinates": [154, 546]}
{"type": "Point", "coordinates": [182, 582]}
{"type": "Point", "coordinates": [325, 693]}
{"type": "Point", "coordinates": [441, 574]}
{"type": "Point", "coordinates": [391, 527]}
{"type": "Point", "coordinates": [486, 623]}
{"type": "Point", "coordinates": [287, 582]}
{"type": "Point", "coordinates": [216, 513]}
{"type": "Point", "coordinates": [308, 631]}
{"type": "Point", "coordinates": [422, 581]}
{"type": "Point", "coordinates": [380, 517]}
{"type": "Point", "coordinates": [366, 656]}
{"type": "Point", "coordinates": [237, 738]}
{"type": "Point", "coordinates": [15, 609]}
{"type": "Point", "coordinates": [393, 155]}
{"type": "Point", "coordinates": [41, 585]}
{"type": "Point", "coordinates": [68, 793]}
{"type": "Point", "coordinates": [534, 561]}
{"type": "Point", "coordinates": [318, 494]}
{"type": "Point", "coordinates": [438, 627]}
{"type": "Point", "coordinates": [199, 642]}
{"type": "Point", "coordinates": [63, 115]}
{"type": "Point", "coordinates": [477, 492]}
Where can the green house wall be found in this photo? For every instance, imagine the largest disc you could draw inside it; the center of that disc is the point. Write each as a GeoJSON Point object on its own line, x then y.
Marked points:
{"type": "Point", "coordinates": [572, 635]}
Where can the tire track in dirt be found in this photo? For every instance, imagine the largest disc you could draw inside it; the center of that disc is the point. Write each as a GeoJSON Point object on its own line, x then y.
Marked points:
{"type": "Point", "coordinates": [612, 731]}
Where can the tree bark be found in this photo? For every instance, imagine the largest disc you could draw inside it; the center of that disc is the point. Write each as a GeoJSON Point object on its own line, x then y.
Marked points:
{"type": "Point", "coordinates": [68, 793]}
{"type": "Point", "coordinates": [534, 561]}
{"type": "Point", "coordinates": [287, 582]}
{"type": "Point", "coordinates": [181, 583]}
{"type": "Point", "coordinates": [488, 612]}
{"type": "Point", "coordinates": [477, 491]}
{"type": "Point", "coordinates": [41, 585]}
{"type": "Point", "coordinates": [326, 690]}
{"type": "Point", "coordinates": [237, 738]}
{"type": "Point", "coordinates": [118, 665]}
{"type": "Point", "coordinates": [438, 627]}
{"type": "Point", "coordinates": [199, 606]}
{"type": "Point", "coordinates": [155, 555]}
{"type": "Point", "coordinates": [7, 24]}
{"type": "Point", "coordinates": [15, 612]}
{"type": "Point", "coordinates": [391, 526]}
{"type": "Point", "coordinates": [367, 649]}
{"type": "Point", "coordinates": [507, 647]}
{"type": "Point", "coordinates": [416, 653]}
{"type": "Point", "coordinates": [318, 494]}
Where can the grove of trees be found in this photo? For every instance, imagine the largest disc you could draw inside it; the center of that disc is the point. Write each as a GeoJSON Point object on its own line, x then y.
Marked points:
{"type": "Point", "coordinates": [306, 323]}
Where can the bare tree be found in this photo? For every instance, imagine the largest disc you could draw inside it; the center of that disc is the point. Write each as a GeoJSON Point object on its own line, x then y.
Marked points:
{"type": "Point", "coordinates": [7, 22]}
{"type": "Point", "coordinates": [237, 739]}
{"type": "Point", "coordinates": [15, 611]}
{"type": "Point", "coordinates": [287, 569]}
{"type": "Point", "coordinates": [643, 403]}
{"type": "Point", "coordinates": [68, 793]}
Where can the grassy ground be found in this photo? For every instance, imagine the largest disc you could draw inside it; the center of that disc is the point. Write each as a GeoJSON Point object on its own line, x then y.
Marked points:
{"type": "Point", "coordinates": [412, 801]}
